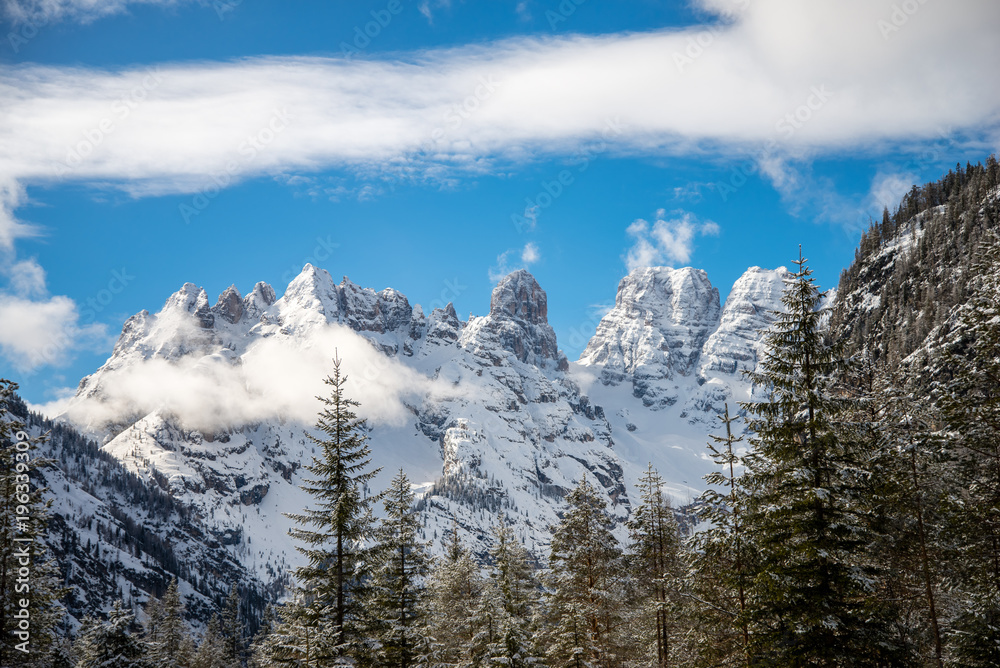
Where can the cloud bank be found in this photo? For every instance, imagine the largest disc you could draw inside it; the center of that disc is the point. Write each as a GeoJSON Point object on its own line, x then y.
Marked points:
{"type": "Point", "coordinates": [277, 378]}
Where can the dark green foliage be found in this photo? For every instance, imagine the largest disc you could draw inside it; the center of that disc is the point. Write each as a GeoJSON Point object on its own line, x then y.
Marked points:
{"type": "Point", "coordinates": [111, 643]}
{"type": "Point", "coordinates": [454, 593]}
{"type": "Point", "coordinates": [503, 621]}
{"type": "Point", "coordinates": [723, 558]}
{"type": "Point", "coordinates": [970, 405]}
{"type": "Point", "coordinates": [811, 600]}
{"type": "Point", "coordinates": [584, 601]}
{"type": "Point", "coordinates": [944, 222]}
{"type": "Point", "coordinates": [333, 532]}
{"type": "Point", "coordinates": [656, 565]}
{"type": "Point", "coordinates": [400, 562]}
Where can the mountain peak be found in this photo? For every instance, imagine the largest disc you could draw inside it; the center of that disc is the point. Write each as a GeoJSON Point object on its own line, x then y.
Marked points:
{"type": "Point", "coordinates": [518, 295]}
{"type": "Point", "coordinates": [661, 319]}
{"type": "Point", "coordinates": [229, 307]}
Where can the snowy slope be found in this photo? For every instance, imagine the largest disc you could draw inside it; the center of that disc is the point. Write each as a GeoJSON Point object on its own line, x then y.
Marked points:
{"type": "Point", "coordinates": [115, 537]}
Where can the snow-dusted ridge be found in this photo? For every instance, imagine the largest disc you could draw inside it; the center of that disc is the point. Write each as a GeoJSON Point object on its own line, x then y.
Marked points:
{"type": "Point", "coordinates": [487, 416]}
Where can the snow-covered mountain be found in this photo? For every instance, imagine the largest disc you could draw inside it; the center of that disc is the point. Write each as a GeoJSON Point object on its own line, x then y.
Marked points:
{"type": "Point", "coordinates": [487, 416]}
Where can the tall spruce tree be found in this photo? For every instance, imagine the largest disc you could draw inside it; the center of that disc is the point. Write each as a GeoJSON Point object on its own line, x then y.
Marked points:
{"type": "Point", "coordinates": [168, 640]}
{"type": "Point", "coordinates": [333, 533]}
{"type": "Point", "coordinates": [29, 577]}
{"type": "Point", "coordinates": [212, 652]}
{"type": "Point", "coordinates": [912, 476]}
{"type": "Point", "coordinates": [503, 621]}
{"type": "Point", "coordinates": [722, 557]}
{"type": "Point", "coordinates": [397, 592]}
{"type": "Point", "coordinates": [811, 601]}
{"type": "Point", "coordinates": [655, 562]}
{"type": "Point", "coordinates": [111, 643]}
{"type": "Point", "coordinates": [454, 589]}
{"type": "Point", "coordinates": [585, 585]}
{"type": "Point", "coordinates": [231, 627]}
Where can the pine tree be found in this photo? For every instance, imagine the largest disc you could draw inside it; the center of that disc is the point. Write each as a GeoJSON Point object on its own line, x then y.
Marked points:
{"type": "Point", "coordinates": [585, 584]}
{"type": "Point", "coordinates": [502, 621]}
{"type": "Point", "coordinates": [231, 627]}
{"type": "Point", "coordinates": [333, 533]}
{"type": "Point", "coordinates": [107, 644]}
{"type": "Point", "coordinates": [264, 646]}
{"type": "Point", "coordinates": [168, 640]}
{"type": "Point", "coordinates": [655, 560]}
{"type": "Point", "coordinates": [454, 591]}
{"type": "Point", "coordinates": [400, 564]}
{"type": "Point", "coordinates": [213, 651]}
{"type": "Point", "coordinates": [27, 573]}
{"type": "Point", "coordinates": [297, 636]}
{"type": "Point", "coordinates": [723, 559]}
{"type": "Point", "coordinates": [970, 403]}
{"type": "Point", "coordinates": [811, 600]}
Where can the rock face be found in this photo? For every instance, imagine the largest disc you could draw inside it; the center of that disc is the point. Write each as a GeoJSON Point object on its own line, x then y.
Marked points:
{"type": "Point", "coordinates": [517, 323]}
{"type": "Point", "coordinates": [669, 339]}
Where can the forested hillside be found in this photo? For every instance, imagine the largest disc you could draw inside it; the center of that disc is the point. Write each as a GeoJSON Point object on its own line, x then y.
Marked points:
{"type": "Point", "coordinates": [914, 266]}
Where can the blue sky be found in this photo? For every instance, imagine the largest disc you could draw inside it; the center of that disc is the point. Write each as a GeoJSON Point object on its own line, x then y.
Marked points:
{"type": "Point", "coordinates": [154, 143]}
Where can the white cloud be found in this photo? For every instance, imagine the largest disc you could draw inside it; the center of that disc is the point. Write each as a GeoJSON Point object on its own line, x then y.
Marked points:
{"type": "Point", "coordinates": [56, 407]}
{"type": "Point", "coordinates": [427, 8]}
{"type": "Point", "coordinates": [667, 240]}
{"type": "Point", "coordinates": [27, 278]}
{"type": "Point", "coordinates": [529, 255]}
{"type": "Point", "coordinates": [185, 128]}
{"type": "Point", "coordinates": [278, 377]}
{"type": "Point", "coordinates": [36, 333]}
{"type": "Point", "coordinates": [515, 99]}
{"type": "Point", "coordinates": [888, 189]}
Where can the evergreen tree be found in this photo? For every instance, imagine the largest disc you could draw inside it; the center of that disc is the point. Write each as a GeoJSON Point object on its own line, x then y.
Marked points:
{"type": "Point", "coordinates": [912, 475]}
{"type": "Point", "coordinates": [168, 641]}
{"type": "Point", "coordinates": [811, 601]}
{"type": "Point", "coordinates": [333, 533]}
{"type": "Point", "coordinates": [400, 564]}
{"type": "Point", "coordinates": [723, 557]}
{"type": "Point", "coordinates": [297, 637]}
{"type": "Point", "coordinates": [655, 560]}
{"type": "Point", "coordinates": [453, 594]}
{"type": "Point", "coordinates": [213, 651]}
{"type": "Point", "coordinates": [110, 644]}
{"type": "Point", "coordinates": [264, 647]}
{"type": "Point", "coordinates": [231, 628]}
{"type": "Point", "coordinates": [502, 621]}
{"type": "Point", "coordinates": [27, 573]}
{"type": "Point", "coordinates": [586, 583]}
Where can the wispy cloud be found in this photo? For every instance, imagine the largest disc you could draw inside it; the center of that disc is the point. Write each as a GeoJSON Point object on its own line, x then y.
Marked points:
{"type": "Point", "coordinates": [508, 260]}
{"type": "Point", "coordinates": [668, 240]}
{"type": "Point", "coordinates": [888, 188]}
{"type": "Point", "coordinates": [44, 11]}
